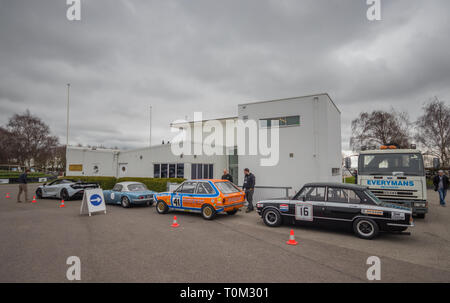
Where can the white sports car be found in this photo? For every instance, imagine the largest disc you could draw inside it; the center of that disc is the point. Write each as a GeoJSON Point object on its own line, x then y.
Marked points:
{"type": "Point", "coordinates": [64, 189]}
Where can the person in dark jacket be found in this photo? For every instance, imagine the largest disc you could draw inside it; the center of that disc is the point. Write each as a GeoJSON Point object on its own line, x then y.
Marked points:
{"type": "Point", "coordinates": [227, 176]}
{"type": "Point", "coordinates": [441, 183]}
{"type": "Point", "coordinates": [249, 188]}
{"type": "Point", "coordinates": [23, 186]}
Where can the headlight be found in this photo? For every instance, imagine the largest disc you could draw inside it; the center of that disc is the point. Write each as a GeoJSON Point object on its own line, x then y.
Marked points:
{"type": "Point", "coordinates": [259, 205]}
{"type": "Point", "coordinates": [420, 205]}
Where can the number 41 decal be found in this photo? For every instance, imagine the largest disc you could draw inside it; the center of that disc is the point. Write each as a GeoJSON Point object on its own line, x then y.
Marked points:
{"type": "Point", "coordinates": [176, 201]}
{"type": "Point", "coordinates": [304, 212]}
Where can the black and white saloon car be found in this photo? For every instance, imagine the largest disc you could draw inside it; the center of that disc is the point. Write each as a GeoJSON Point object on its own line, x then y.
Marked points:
{"type": "Point", "coordinates": [351, 205]}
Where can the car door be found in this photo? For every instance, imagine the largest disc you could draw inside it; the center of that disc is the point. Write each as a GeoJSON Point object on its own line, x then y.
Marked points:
{"type": "Point", "coordinates": [114, 195]}
{"type": "Point", "coordinates": [52, 189]}
{"type": "Point", "coordinates": [310, 204]}
{"type": "Point", "coordinates": [186, 191]}
{"type": "Point", "coordinates": [203, 194]}
{"type": "Point", "coordinates": [342, 204]}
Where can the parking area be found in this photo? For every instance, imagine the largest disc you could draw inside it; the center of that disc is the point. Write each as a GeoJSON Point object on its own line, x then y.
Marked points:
{"type": "Point", "coordinates": [138, 245]}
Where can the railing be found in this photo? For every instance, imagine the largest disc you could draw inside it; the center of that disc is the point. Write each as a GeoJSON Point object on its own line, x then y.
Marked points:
{"type": "Point", "coordinates": [286, 188]}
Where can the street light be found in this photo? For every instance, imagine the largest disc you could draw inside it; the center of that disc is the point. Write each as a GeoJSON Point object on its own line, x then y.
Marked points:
{"type": "Point", "coordinates": [67, 133]}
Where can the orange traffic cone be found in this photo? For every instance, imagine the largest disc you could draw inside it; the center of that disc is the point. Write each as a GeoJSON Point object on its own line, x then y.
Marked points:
{"type": "Point", "coordinates": [8, 196]}
{"type": "Point", "coordinates": [292, 239]}
{"type": "Point", "coordinates": [62, 204]}
{"type": "Point", "coordinates": [175, 224]}
{"type": "Point", "coordinates": [34, 199]}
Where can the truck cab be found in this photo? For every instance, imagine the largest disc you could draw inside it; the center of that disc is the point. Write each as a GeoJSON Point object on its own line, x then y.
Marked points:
{"type": "Point", "coordinates": [395, 176]}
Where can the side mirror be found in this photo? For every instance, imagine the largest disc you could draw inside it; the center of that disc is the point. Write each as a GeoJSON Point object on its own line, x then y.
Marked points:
{"type": "Point", "coordinates": [436, 163]}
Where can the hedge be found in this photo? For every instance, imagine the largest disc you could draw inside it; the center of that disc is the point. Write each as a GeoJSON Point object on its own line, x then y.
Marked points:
{"type": "Point", "coordinates": [155, 184]}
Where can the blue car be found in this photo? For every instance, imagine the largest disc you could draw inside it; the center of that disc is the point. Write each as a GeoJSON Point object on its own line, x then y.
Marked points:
{"type": "Point", "coordinates": [129, 193]}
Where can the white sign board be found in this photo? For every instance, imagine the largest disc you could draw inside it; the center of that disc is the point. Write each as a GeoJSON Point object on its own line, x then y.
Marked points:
{"type": "Point", "coordinates": [42, 180]}
{"type": "Point", "coordinates": [93, 201]}
{"type": "Point", "coordinates": [4, 181]}
{"type": "Point", "coordinates": [304, 212]}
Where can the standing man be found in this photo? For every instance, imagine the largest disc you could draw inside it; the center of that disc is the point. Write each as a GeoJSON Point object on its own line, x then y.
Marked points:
{"type": "Point", "coordinates": [249, 188]}
{"type": "Point", "coordinates": [23, 185]}
{"type": "Point", "coordinates": [441, 183]}
{"type": "Point", "coordinates": [227, 176]}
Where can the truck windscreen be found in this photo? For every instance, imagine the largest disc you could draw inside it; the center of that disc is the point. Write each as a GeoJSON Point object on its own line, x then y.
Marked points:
{"type": "Point", "coordinates": [389, 164]}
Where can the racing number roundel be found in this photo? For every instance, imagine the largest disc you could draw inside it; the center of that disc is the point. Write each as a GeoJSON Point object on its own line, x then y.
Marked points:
{"type": "Point", "coordinates": [304, 212]}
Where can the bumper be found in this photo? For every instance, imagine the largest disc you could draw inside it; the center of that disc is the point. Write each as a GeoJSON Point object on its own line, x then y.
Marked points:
{"type": "Point", "coordinates": [142, 201]}
{"type": "Point", "coordinates": [400, 225]}
{"type": "Point", "coordinates": [229, 207]}
{"type": "Point", "coordinates": [419, 210]}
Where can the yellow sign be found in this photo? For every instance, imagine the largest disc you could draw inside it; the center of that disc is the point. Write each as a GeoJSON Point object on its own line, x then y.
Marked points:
{"type": "Point", "coordinates": [76, 167]}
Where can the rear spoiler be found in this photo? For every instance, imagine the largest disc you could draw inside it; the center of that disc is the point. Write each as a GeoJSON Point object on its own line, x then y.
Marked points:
{"type": "Point", "coordinates": [84, 185]}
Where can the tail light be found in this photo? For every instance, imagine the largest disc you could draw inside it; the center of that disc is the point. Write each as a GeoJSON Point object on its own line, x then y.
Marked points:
{"type": "Point", "coordinates": [141, 197]}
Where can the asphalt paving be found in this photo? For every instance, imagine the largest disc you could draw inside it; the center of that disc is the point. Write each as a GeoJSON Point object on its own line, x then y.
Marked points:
{"type": "Point", "coordinates": [138, 245]}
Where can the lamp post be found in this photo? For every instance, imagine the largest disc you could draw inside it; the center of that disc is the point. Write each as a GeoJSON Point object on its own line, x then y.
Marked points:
{"type": "Point", "coordinates": [150, 139]}
{"type": "Point", "coordinates": [67, 133]}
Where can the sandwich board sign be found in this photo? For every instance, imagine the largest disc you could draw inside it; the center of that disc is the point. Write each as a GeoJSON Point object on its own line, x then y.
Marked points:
{"type": "Point", "coordinates": [93, 201]}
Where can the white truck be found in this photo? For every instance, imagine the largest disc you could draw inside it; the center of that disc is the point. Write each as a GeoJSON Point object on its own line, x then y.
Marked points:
{"type": "Point", "coordinates": [395, 176]}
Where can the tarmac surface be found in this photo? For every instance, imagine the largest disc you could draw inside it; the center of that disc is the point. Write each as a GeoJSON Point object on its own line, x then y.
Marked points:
{"type": "Point", "coordinates": [138, 245]}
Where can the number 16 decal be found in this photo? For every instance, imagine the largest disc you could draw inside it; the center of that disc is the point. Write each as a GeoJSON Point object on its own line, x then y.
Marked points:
{"type": "Point", "coordinates": [304, 212]}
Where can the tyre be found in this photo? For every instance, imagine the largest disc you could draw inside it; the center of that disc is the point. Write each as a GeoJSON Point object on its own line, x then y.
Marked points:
{"type": "Point", "coordinates": [420, 216]}
{"type": "Point", "coordinates": [366, 228]}
{"type": "Point", "coordinates": [232, 212]}
{"type": "Point", "coordinates": [64, 194]}
{"type": "Point", "coordinates": [39, 193]}
{"type": "Point", "coordinates": [208, 212]}
{"type": "Point", "coordinates": [125, 202]}
{"type": "Point", "coordinates": [272, 217]}
{"type": "Point", "coordinates": [161, 207]}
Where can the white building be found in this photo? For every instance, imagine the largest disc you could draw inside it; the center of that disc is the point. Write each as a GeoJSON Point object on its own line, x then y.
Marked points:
{"type": "Point", "coordinates": [309, 149]}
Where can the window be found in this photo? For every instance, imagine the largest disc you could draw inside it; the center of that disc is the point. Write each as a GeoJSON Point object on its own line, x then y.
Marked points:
{"type": "Point", "coordinates": [205, 188]}
{"type": "Point", "coordinates": [187, 188]}
{"type": "Point", "coordinates": [311, 194]}
{"type": "Point", "coordinates": [172, 171]}
{"type": "Point", "coordinates": [227, 187]}
{"type": "Point", "coordinates": [168, 170]}
{"type": "Point", "coordinates": [180, 170]}
{"type": "Point", "coordinates": [388, 163]}
{"type": "Point", "coordinates": [137, 187]}
{"type": "Point", "coordinates": [156, 171]}
{"type": "Point", "coordinates": [341, 195]}
{"type": "Point", "coordinates": [279, 121]}
{"type": "Point", "coordinates": [117, 187]}
{"type": "Point", "coordinates": [335, 171]}
{"type": "Point", "coordinates": [202, 171]}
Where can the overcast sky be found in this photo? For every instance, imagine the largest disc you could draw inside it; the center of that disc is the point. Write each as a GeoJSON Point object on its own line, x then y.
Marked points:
{"type": "Point", "coordinates": [189, 55]}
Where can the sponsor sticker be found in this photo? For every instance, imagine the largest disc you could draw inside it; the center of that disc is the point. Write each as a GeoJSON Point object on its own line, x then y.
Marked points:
{"type": "Point", "coordinates": [372, 212]}
{"type": "Point", "coordinates": [284, 207]}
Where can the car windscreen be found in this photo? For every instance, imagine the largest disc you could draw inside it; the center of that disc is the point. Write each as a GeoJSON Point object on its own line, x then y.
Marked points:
{"type": "Point", "coordinates": [389, 164]}
{"type": "Point", "coordinates": [227, 187]}
{"type": "Point", "coordinates": [137, 187]}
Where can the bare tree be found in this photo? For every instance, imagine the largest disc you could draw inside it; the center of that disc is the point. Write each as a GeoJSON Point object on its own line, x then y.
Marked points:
{"type": "Point", "coordinates": [31, 139]}
{"type": "Point", "coordinates": [433, 130]}
{"type": "Point", "coordinates": [6, 155]}
{"type": "Point", "coordinates": [380, 127]}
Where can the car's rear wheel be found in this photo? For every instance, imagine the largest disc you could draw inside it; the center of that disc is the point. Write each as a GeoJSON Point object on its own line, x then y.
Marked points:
{"type": "Point", "coordinates": [272, 217]}
{"type": "Point", "coordinates": [125, 202]}
{"type": "Point", "coordinates": [365, 228]}
{"type": "Point", "coordinates": [64, 194]}
{"type": "Point", "coordinates": [161, 207]}
{"type": "Point", "coordinates": [208, 212]}
{"type": "Point", "coordinates": [232, 212]}
{"type": "Point", "coordinates": [39, 193]}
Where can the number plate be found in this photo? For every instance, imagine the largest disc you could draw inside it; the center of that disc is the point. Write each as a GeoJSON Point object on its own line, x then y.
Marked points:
{"type": "Point", "coordinates": [304, 212]}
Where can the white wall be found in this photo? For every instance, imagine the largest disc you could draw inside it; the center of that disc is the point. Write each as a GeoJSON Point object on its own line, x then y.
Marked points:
{"type": "Point", "coordinates": [103, 159]}
{"type": "Point", "coordinates": [315, 143]}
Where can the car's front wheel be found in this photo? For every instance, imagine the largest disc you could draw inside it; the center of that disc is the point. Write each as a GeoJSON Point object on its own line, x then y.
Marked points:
{"type": "Point", "coordinates": [365, 228]}
{"type": "Point", "coordinates": [125, 202]}
{"type": "Point", "coordinates": [39, 193]}
{"type": "Point", "coordinates": [161, 207]}
{"type": "Point", "coordinates": [208, 212]}
{"type": "Point", "coordinates": [272, 217]}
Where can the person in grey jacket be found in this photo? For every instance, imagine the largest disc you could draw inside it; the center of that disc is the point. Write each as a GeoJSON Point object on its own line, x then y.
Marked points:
{"type": "Point", "coordinates": [441, 184]}
{"type": "Point", "coordinates": [23, 186]}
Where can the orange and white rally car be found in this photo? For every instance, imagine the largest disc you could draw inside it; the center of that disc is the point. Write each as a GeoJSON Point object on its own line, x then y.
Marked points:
{"type": "Point", "coordinates": [207, 197]}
